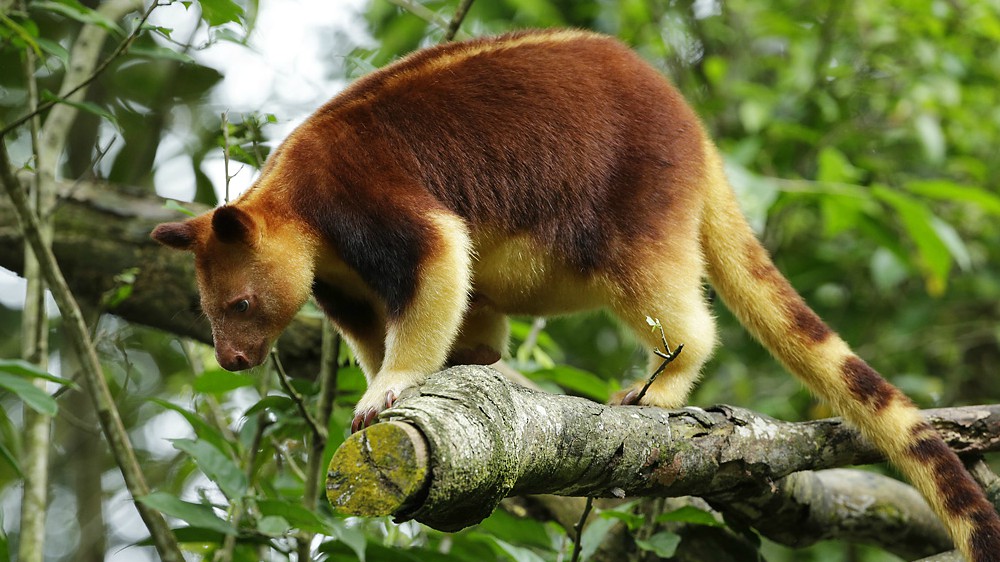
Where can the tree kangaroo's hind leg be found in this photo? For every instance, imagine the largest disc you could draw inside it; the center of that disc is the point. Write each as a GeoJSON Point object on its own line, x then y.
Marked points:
{"type": "Point", "coordinates": [483, 337]}
{"type": "Point", "coordinates": [672, 293]}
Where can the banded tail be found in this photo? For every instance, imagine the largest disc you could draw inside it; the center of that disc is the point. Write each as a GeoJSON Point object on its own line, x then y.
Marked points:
{"type": "Point", "coordinates": [742, 272]}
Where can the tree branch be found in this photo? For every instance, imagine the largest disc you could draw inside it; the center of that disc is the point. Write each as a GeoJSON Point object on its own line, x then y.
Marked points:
{"type": "Point", "coordinates": [79, 338]}
{"type": "Point", "coordinates": [468, 438]}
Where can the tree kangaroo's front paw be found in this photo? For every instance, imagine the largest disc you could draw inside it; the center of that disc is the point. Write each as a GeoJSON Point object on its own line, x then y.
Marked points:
{"type": "Point", "coordinates": [383, 390]}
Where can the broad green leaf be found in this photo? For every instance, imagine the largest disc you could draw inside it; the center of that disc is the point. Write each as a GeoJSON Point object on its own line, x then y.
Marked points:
{"type": "Point", "coordinates": [576, 381]}
{"type": "Point", "coordinates": [949, 191]}
{"type": "Point", "coordinates": [77, 11]}
{"type": "Point", "coordinates": [34, 397]}
{"type": "Point", "coordinates": [934, 256]}
{"type": "Point", "coordinates": [833, 166]}
{"type": "Point", "coordinates": [931, 136]}
{"type": "Point", "coordinates": [523, 531]}
{"type": "Point", "coordinates": [353, 536]}
{"type": "Point", "coordinates": [631, 520]}
{"type": "Point", "coordinates": [219, 381]}
{"type": "Point", "coordinates": [296, 514]}
{"type": "Point", "coordinates": [690, 514]}
{"type": "Point", "coordinates": [218, 12]}
{"type": "Point", "coordinates": [195, 514]}
{"type": "Point", "coordinates": [663, 544]}
{"type": "Point", "coordinates": [594, 534]}
{"type": "Point", "coordinates": [87, 106]}
{"type": "Point", "coordinates": [271, 402]}
{"type": "Point", "coordinates": [175, 206]}
{"type": "Point", "coordinates": [217, 466]}
{"type": "Point", "coordinates": [55, 49]}
{"type": "Point", "coordinates": [517, 553]}
{"type": "Point", "coordinates": [161, 53]}
{"type": "Point", "coordinates": [202, 429]}
{"type": "Point", "coordinates": [954, 242]}
{"type": "Point", "coordinates": [23, 32]}
{"type": "Point", "coordinates": [273, 525]}
{"type": "Point", "coordinates": [23, 368]}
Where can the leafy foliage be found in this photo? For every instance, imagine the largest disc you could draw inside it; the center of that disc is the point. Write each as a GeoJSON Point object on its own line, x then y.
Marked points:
{"type": "Point", "coordinates": [861, 136]}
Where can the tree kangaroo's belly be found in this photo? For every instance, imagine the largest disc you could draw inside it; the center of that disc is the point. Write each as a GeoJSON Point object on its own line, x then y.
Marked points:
{"type": "Point", "coordinates": [517, 276]}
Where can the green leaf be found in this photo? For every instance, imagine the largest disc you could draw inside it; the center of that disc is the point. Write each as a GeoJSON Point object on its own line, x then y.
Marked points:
{"type": "Point", "coordinates": [576, 381]}
{"type": "Point", "coordinates": [55, 49]}
{"type": "Point", "coordinates": [631, 520]}
{"type": "Point", "coordinates": [272, 402]}
{"type": "Point", "coordinates": [273, 525]}
{"type": "Point", "coordinates": [175, 206]}
{"type": "Point", "coordinates": [77, 11]}
{"type": "Point", "coordinates": [833, 166]}
{"type": "Point", "coordinates": [23, 33]}
{"type": "Point", "coordinates": [201, 429]}
{"type": "Point", "coordinates": [87, 106]}
{"type": "Point", "coordinates": [663, 544]}
{"type": "Point", "coordinates": [352, 536]}
{"type": "Point", "coordinates": [517, 553]}
{"type": "Point", "coordinates": [219, 381]}
{"type": "Point", "coordinates": [23, 368]}
{"type": "Point", "coordinates": [690, 514]}
{"type": "Point", "coordinates": [523, 531]}
{"type": "Point", "coordinates": [34, 397]}
{"type": "Point", "coordinates": [161, 53]}
{"type": "Point", "coordinates": [950, 191]}
{"type": "Point", "coordinates": [218, 12]}
{"type": "Point", "coordinates": [217, 466]}
{"type": "Point", "coordinates": [934, 256]}
{"type": "Point", "coordinates": [195, 514]}
{"type": "Point", "coordinates": [296, 514]}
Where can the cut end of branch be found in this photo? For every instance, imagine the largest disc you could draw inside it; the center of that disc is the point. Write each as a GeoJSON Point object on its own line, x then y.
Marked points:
{"type": "Point", "coordinates": [378, 471]}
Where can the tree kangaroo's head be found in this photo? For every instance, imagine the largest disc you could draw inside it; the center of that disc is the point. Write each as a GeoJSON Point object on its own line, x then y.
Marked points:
{"type": "Point", "coordinates": [253, 276]}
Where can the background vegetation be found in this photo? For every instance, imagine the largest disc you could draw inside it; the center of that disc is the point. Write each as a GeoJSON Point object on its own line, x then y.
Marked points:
{"type": "Point", "coordinates": [861, 134]}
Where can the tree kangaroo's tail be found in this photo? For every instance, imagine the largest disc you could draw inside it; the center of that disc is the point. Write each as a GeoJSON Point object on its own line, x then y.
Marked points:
{"type": "Point", "coordinates": [742, 272]}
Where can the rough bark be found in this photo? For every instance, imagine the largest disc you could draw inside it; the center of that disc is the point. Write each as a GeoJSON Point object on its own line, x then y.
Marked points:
{"type": "Point", "coordinates": [450, 451]}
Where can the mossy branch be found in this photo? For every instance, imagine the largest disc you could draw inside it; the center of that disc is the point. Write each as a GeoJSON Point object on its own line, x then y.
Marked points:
{"type": "Point", "coordinates": [449, 452]}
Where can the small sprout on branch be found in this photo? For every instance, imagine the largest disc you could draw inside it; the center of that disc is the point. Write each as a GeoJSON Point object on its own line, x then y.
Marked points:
{"type": "Point", "coordinates": [667, 355]}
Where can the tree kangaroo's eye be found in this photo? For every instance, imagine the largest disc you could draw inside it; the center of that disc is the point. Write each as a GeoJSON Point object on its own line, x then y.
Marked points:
{"type": "Point", "coordinates": [242, 306]}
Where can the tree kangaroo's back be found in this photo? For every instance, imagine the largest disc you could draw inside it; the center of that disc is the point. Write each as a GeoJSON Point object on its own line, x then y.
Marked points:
{"type": "Point", "coordinates": [534, 173]}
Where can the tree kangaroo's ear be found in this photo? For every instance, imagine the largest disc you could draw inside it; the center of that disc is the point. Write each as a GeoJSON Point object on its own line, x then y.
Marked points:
{"type": "Point", "coordinates": [176, 235]}
{"type": "Point", "coordinates": [231, 225]}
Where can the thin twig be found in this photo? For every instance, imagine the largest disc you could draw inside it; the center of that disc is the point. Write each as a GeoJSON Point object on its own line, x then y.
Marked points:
{"type": "Point", "coordinates": [286, 383]}
{"type": "Point", "coordinates": [225, 151]}
{"type": "Point", "coordinates": [426, 15]}
{"type": "Point", "coordinates": [578, 529]}
{"type": "Point", "coordinates": [76, 330]}
{"type": "Point", "coordinates": [667, 356]}
{"type": "Point", "coordinates": [328, 371]}
{"type": "Point", "coordinates": [121, 49]}
{"type": "Point", "coordinates": [456, 20]}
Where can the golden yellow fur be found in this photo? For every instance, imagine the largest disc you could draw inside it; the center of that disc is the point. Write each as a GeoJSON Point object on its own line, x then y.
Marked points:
{"type": "Point", "coordinates": [536, 173]}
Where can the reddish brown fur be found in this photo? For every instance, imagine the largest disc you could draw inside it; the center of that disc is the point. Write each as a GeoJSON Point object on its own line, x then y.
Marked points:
{"type": "Point", "coordinates": [581, 171]}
